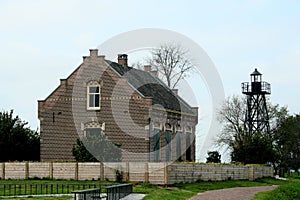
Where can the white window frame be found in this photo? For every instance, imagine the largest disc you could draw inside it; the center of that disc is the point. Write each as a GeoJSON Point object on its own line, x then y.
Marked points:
{"type": "Point", "coordinates": [93, 84]}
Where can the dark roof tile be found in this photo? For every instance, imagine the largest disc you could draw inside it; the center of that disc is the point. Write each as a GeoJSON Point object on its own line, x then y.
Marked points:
{"type": "Point", "coordinates": [152, 87]}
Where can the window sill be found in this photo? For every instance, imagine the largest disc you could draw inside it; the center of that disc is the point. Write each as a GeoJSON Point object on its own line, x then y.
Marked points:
{"type": "Point", "coordinates": [93, 109]}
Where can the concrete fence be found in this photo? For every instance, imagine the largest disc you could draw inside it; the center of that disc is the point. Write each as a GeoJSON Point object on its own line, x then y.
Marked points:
{"type": "Point", "coordinates": [154, 173]}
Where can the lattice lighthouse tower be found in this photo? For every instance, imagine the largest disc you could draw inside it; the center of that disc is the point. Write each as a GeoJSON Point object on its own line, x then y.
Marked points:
{"type": "Point", "coordinates": [257, 118]}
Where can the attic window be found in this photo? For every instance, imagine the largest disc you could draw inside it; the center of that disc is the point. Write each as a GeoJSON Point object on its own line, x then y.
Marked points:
{"type": "Point", "coordinates": [93, 96]}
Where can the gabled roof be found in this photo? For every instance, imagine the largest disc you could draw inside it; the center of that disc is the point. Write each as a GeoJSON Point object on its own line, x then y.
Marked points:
{"type": "Point", "coordinates": [152, 87]}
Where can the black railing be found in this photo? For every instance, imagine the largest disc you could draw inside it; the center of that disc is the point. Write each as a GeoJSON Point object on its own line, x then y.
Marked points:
{"type": "Point", "coordinates": [40, 189]}
{"type": "Point", "coordinates": [88, 194]}
{"type": "Point", "coordinates": [116, 192]}
{"type": "Point", "coordinates": [256, 87]}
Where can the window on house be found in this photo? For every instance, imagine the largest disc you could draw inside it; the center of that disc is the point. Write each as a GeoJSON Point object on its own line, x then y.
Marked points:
{"type": "Point", "coordinates": [93, 96]}
{"type": "Point", "coordinates": [156, 145]}
{"type": "Point", "coordinates": [168, 134]}
{"type": "Point", "coordinates": [178, 145]}
{"type": "Point", "coordinates": [92, 132]}
{"type": "Point", "coordinates": [188, 146]}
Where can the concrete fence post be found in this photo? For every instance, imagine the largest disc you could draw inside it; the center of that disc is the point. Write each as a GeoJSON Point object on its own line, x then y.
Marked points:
{"type": "Point", "coordinates": [251, 173]}
{"type": "Point", "coordinates": [76, 171]}
{"type": "Point", "coordinates": [101, 171]}
{"type": "Point", "coordinates": [165, 173]}
{"type": "Point", "coordinates": [127, 176]}
{"type": "Point", "coordinates": [3, 171]}
{"type": "Point", "coordinates": [26, 170]}
{"type": "Point", "coordinates": [146, 172]}
{"type": "Point", "coordinates": [51, 170]}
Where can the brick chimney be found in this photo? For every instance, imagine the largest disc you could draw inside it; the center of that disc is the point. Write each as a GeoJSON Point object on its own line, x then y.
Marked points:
{"type": "Point", "coordinates": [147, 68]}
{"type": "Point", "coordinates": [122, 59]}
{"type": "Point", "coordinates": [93, 52]}
{"type": "Point", "coordinates": [154, 73]}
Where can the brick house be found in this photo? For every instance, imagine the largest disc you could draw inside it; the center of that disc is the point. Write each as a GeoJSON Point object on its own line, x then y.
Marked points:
{"type": "Point", "coordinates": [131, 107]}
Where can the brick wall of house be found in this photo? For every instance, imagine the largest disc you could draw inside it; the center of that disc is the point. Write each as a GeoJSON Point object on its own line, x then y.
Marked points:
{"type": "Point", "coordinates": [178, 122]}
{"type": "Point", "coordinates": [63, 114]}
{"type": "Point", "coordinates": [126, 114]}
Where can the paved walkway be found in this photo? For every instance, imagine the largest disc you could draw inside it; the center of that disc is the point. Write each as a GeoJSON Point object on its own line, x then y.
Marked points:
{"type": "Point", "coordinates": [134, 197]}
{"type": "Point", "coordinates": [238, 193]}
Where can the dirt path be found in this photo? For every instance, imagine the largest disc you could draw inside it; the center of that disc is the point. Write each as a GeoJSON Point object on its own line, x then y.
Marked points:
{"type": "Point", "coordinates": [239, 193]}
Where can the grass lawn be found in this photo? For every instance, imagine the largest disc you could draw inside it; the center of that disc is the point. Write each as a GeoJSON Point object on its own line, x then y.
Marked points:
{"type": "Point", "coordinates": [184, 191]}
{"type": "Point", "coordinates": [57, 187]}
{"type": "Point", "coordinates": [286, 191]}
{"type": "Point", "coordinates": [42, 198]}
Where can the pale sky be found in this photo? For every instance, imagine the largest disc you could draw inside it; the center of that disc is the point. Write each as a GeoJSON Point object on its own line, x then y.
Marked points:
{"type": "Point", "coordinates": [43, 41]}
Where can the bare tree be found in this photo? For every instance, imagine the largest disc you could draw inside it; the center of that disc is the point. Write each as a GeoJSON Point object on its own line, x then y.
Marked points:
{"type": "Point", "coordinates": [170, 61]}
{"type": "Point", "coordinates": [232, 115]}
{"type": "Point", "coordinates": [137, 65]}
{"type": "Point", "coordinates": [256, 148]}
{"type": "Point", "coordinates": [233, 112]}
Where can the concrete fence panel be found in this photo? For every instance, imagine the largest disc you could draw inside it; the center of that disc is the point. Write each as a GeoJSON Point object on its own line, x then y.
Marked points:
{"type": "Point", "coordinates": [89, 171]}
{"type": "Point", "coordinates": [137, 171]}
{"type": "Point", "coordinates": [15, 171]}
{"type": "Point", "coordinates": [39, 170]}
{"type": "Point", "coordinates": [111, 169]}
{"type": "Point", "coordinates": [64, 170]}
{"type": "Point", "coordinates": [154, 173]}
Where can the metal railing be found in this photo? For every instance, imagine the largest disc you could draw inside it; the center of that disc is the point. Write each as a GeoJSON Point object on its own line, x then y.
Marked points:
{"type": "Point", "coordinates": [260, 87]}
{"type": "Point", "coordinates": [88, 194]}
{"type": "Point", "coordinates": [116, 192]}
{"type": "Point", "coordinates": [41, 189]}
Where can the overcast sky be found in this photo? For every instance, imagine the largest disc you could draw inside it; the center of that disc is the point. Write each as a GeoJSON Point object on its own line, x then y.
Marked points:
{"type": "Point", "coordinates": [43, 41]}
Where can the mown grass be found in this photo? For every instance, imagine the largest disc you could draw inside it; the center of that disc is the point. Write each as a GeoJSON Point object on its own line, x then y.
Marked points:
{"type": "Point", "coordinates": [64, 187]}
{"type": "Point", "coordinates": [42, 198]}
{"type": "Point", "coordinates": [49, 181]}
{"type": "Point", "coordinates": [286, 189]}
{"type": "Point", "coordinates": [184, 191]}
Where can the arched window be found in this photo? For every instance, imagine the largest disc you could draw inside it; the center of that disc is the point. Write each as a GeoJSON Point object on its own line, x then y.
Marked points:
{"type": "Point", "coordinates": [168, 137]}
{"type": "Point", "coordinates": [178, 142]}
{"type": "Point", "coordinates": [93, 95]}
{"type": "Point", "coordinates": [188, 133]}
{"type": "Point", "coordinates": [156, 141]}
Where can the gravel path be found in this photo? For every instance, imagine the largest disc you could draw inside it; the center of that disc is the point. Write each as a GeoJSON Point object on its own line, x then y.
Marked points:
{"type": "Point", "coordinates": [238, 193]}
{"type": "Point", "coordinates": [134, 197]}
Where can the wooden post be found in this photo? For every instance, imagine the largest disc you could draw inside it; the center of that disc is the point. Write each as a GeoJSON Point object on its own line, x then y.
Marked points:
{"type": "Point", "coordinates": [166, 174]}
{"type": "Point", "coordinates": [26, 170]}
{"type": "Point", "coordinates": [127, 178]}
{"type": "Point", "coordinates": [146, 172]}
{"type": "Point", "coordinates": [76, 171]}
{"type": "Point", "coordinates": [51, 170]}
